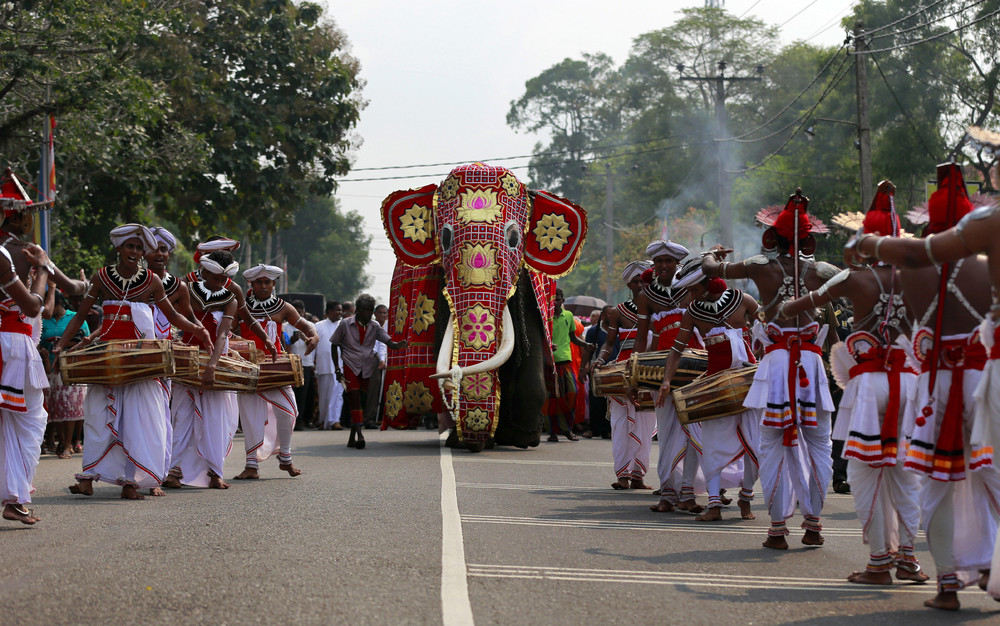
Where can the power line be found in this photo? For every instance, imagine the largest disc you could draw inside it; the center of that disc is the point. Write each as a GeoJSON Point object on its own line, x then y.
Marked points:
{"type": "Point", "coordinates": [782, 25]}
{"type": "Point", "coordinates": [748, 10]}
{"type": "Point", "coordinates": [931, 38]}
{"type": "Point", "coordinates": [906, 17]}
{"type": "Point", "coordinates": [834, 22]}
{"type": "Point", "coordinates": [929, 23]}
{"type": "Point", "coordinates": [902, 110]}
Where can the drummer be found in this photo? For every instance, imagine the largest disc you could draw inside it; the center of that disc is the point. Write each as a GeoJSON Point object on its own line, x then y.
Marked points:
{"type": "Point", "coordinates": [875, 398]}
{"type": "Point", "coordinates": [720, 314]}
{"type": "Point", "coordinates": [269, 415]}
{"type": "Point", "coordinates": [205, 420]}
{"type": "Point", "coordinates": [795, 445]}
{"type": "Point", "coordinates": [631, 433]}
{"type": "Point", "coordinates": [179, 297]}
{"type": "Point", "coordinates": [224, 244]}
{"type": "Point", "coordinates": [125, 425]}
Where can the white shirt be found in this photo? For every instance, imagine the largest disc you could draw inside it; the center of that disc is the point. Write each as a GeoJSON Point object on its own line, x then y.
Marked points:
{"type": "Point", "coordinates": [380, 348]}
{"type": "Point", "coordinates": [324, 363]}
{"type": "Point", "coordinates": [299, 347]}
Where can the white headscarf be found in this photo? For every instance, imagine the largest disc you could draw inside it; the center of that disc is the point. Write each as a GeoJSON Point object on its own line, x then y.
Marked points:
{"type": "Point", "coordinates": [635, 268]}
{"type": "Point", "coordinates": [162, 235]}
{"type": "Point", "coordinates": [215, 245]}
{"type": "Point", "coordinates": [662, 247]}
{"type": "Point", "coordinates": [123, 233]}
{"type": "Point", "coordinates": [260, 269]}
{"type": "Point", "coordinates": [213, 267]}
{"type": "Point", "coordinates": [690, 274]}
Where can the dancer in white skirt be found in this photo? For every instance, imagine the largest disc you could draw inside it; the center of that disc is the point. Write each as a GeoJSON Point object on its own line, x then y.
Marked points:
{"type": "Point", "coordinates": [125, 425]}
{"type": "Point", "coordinates": [790, 386]}
{"type": "Point", "coordinates": [960, 483]}
{"type": "Point", "coordinates": [720, 314]}
{"type": "Point", "coordinates": [204, 419]}
{"type": "Point", "coordinates": [268, 417]}
{"type": "Point", "coordinates": [879, 387]}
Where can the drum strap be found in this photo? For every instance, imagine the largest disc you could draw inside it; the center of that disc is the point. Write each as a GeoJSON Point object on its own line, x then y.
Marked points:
{"type": "Point", "coordinates": [893, 363]}
{"type": "Point", "coordinates": [796, 376]}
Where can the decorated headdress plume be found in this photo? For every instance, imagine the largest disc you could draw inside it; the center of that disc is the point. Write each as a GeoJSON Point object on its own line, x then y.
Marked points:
{"type": "Point", "coordinates": [14, 198]}
{"type": "Point", "coordinates": [782, 221]}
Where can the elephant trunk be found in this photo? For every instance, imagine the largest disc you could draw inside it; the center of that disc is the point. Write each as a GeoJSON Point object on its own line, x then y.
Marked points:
{"type": "Point", "coordinates": [444, 369]}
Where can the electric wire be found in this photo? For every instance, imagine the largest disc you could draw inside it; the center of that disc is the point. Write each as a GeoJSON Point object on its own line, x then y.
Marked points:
{"type": "Point", "coordinates": [929, 23]}
{"type": "Point", "coordinates": [904, 18]}
{"type": "Point", "coordinates": [748, 10]}
{"type": "Point", "coordinates": [926, 39]}
{"type": "Point", "coordinates": [782, 25]}
{"type": "Point", "coordinates": [902, 110]}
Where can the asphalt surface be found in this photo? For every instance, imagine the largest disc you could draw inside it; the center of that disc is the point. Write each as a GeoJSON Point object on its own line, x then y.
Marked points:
{"type": "Point", "coordinates": [539, 537]}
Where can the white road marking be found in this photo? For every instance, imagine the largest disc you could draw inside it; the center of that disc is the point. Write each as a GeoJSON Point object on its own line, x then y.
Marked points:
{"type": "Point", "coordinates": [732, 581]}
{"type": "Point", "coordinates": [456, 609]}
{"type": "Point", "coordinates": [689, 526]}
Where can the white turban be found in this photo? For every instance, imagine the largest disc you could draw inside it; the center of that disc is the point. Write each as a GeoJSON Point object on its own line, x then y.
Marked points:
{"type": "Point", "coordinates": [123, 233]}
{"type": "Point", "coordinates": [690, 274]}
{"type": "Point", "coordinates": [210, 265]}
{"type": "Point", "coordinates": [270, 271]}
{"type": "Point", "coordinates": [635, 268]}
{"type": "Point", "coordinates": [162, 235]}
{"type": "Point", "coordinates": [670, 249]}
{"type": "Point", "coordinates": [218, 244]}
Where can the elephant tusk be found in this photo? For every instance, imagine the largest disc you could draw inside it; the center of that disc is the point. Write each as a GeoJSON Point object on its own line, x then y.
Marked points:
{"type": "Point", "coordinates": [444, 355]}
{"type": "Point", "coordinates": [495, 361]}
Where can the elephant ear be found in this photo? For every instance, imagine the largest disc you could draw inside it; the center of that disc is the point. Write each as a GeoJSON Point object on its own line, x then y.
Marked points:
{"type": "Point", "coordinates": [555, 235]}
{"type": "Point", "coordinates": [409, 223]}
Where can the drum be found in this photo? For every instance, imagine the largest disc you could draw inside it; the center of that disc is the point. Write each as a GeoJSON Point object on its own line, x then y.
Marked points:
{"type": "Point", "coordinates": [284, 372]}
{"type": "Point", "coordinates": [711, 397]}
{"type": "Point", "coordinates": [247, 349]}
{"type": "Point", "coordinates": [645, 369]}
{"type": "Point", "coordinates": [118, 362]}
{"type": "Point", "coordinates": [610, 380]}
{"type": "Point", "coordinates": [185, 361]}
{"type": "Point", "coordinates": [232, 373]}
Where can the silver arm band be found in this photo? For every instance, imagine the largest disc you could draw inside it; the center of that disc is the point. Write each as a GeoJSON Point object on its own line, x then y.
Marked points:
{"type": "Point", "coordinates": [927, 249]}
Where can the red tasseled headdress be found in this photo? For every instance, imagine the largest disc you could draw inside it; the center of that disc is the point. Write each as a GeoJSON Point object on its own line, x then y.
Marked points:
{"type": "Point", "coordinates": [881, 218]}
{"type": "Point", "coordinates": [794, 210]}
{"type": "Point", "coordinates": [950, 202]}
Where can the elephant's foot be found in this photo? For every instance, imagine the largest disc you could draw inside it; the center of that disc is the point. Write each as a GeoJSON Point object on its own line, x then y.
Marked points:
{"type": "Point", "coordinates": [523, 440]}
{"type": "Point", "coordinates": [452, 440]}
{"type": "Point", "coordinates": [475, 446]}
{"type": "Point", "coordinates": [491, 443]}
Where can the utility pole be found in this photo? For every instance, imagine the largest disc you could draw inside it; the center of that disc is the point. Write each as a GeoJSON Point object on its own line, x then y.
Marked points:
{"type": "Point", "coordinates": [864, 130]}
{"type": "Point", "coordinates": [723, 143]}
{"type": "Point", "coordinates": [609, 232]}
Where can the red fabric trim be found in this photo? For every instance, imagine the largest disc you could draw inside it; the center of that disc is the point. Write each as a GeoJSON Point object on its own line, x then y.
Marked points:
{"type": "Point", "coordinates": [795, 342]}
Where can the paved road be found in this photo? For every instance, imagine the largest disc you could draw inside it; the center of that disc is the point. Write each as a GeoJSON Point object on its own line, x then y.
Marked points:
{"type": "Point", "coordinates": [366, 537]}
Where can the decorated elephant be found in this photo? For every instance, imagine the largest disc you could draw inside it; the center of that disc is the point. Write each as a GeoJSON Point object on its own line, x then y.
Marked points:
{"type": "Point", "coordinates": [477, 259]}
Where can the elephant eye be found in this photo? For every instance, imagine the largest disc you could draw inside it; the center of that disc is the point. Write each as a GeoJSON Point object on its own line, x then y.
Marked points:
{"type": "Point", "coordinates": [447, 237]}
{"type": "Point", "coordinates": [512, 235]}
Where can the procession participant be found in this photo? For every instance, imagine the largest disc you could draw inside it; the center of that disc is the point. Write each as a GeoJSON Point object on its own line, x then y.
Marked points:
{"type": "Point", "coordinates": [64, 402]}
{"type": "Point", "coordinates": [374, 403]}
{"type": "Point", "coordinates": [874, 401]}
{"type": "Point", "coordinates": [305, 393]}
{"type": "Point", "coordinates": [177, 294]}
{"type": "Point", "coordinates": [217, 243]}
{"type": "Point", "coordinates": [266, 413]}
{"type": "Point", "coordinates": [22, 414]}
{"type": "Point", "coordinates": [18, 220]}
{"type": "Point", "coordinates": [720, 314]}
{"type": "Point", "coordinates": [626, 447]}
{"type": "Point", "coordinates": [598, 406]}
{"type": "Point", "coordinates": [330, 389]}
{"type": "Point", "coordinates": [560, 380]}
{"type": "Point", "coordinates": [205, 420]}
{"type": "Point", "coordinates": [355, 339]}
{"type": "Point", "coordinates": [125, 425]}
{"type": "Point", "coordinates": [959, 507]}
{"type": "Point", "coordinates": [679, 447]}
{"type": "Point", "coordinates": [790, 385]}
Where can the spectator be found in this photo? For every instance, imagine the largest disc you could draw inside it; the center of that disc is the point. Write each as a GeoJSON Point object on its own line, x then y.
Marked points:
{"type": "Point", "coordinates": [330, 390]}
{"type": "Point", "coordinates": [305, 396]}
{"type": "Point", "coordinates": [65, 402]}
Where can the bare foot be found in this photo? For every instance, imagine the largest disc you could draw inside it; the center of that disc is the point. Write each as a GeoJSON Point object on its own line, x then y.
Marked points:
{"type": "Point", "coordinates": [638, 484]}
{"type": "Point", "coordinates": [722, 497]}
{"type": "Point", "coordinates": [945, 600]}
{"type": "Point", "coordinates": [621, 483]}
{"type": "Point", "coordinates": [248, 473]}
{"type": "Point", "coordinates": [83, 488]}
{"type": "Point", "coordinates": [129, 492]}
{"type": "Point", "coordinates": [290, 468]}
{"type": "Point", "coordinates": [691, 506]}
{"type": "Point", "coordinates": [713, 514]}
{"type": "Point", "coordinates": [216, 482]}
{"type": "Point", "coordinates": [870, 578]}
{"type": "Point", "coordinates": [776, 543]}
{"type": "Point", "coordinates": [662, 507]}
{"type": "Point", "coordinates": [171, 482]}
{"type": "Point", "coordinates": [812, 538]}
{"type": "Point", "coordinates": [156, 492]}
{"type": "Point", "coordinates": [745, 512]}
{"type": "Point", "coordinates": [17, 513]}
{"type": "Point", "coordinates": [984, 579]}
{"type": "Point", "coordinates": [915, 575]}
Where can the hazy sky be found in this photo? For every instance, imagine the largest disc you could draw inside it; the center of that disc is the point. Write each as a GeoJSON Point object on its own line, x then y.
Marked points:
{"type": "Point", "coordinates": [440, 76]}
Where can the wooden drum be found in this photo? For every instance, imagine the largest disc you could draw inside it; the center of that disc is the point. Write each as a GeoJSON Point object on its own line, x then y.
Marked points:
{"type": "Point", "coordinates": [247, 349]}
{"type": "Point", "coordinates": [645, 369]}
{"type": "Point", "coordinates": [711, 397]}
{"type": "Point", "coordinates": [284, 372]}
{"type": "Point", "coordinates": [117, 362]}
{"type": "Point", "coordinates": [232, 373]}
{"type": "Point", "coordinates": [610, 380]}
